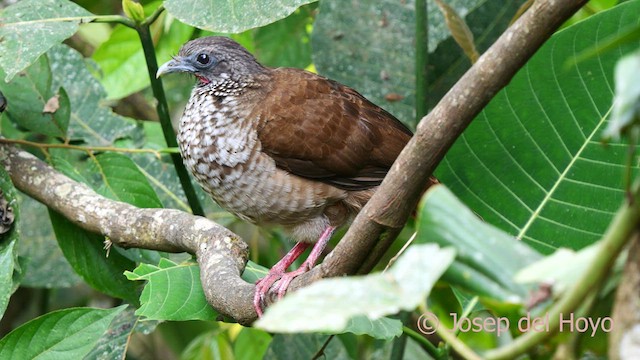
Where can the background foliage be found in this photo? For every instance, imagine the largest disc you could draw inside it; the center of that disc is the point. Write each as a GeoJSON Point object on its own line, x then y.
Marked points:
{"type": "Point", "coordinates": [531, 166]}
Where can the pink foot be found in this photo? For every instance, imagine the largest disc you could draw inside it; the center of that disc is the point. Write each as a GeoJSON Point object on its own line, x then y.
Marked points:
{"type": "Point", "coordinates": [278, 271]}
{"type": "Point", "coordinates": [263, 285]}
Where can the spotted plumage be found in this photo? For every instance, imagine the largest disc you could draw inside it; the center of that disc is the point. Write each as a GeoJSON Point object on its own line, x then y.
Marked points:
{"type": "Point", "coordinates": [281, 146]}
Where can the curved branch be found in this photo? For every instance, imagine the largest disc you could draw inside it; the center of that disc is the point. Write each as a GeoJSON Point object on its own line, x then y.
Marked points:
{"type": "Point", "coordinates": [221, 254]}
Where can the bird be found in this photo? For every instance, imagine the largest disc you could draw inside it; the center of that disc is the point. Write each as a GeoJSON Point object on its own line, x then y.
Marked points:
{"type": "Point", "coordinates": [281, 146]}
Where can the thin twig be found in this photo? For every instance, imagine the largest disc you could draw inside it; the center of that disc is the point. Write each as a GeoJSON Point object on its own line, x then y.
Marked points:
{"type": "Point", "coordinates": [88, 149]}
{"type": "Point", "coordinates": [320, 351]}
{"type": "Point", "coordinates": [404, 248]}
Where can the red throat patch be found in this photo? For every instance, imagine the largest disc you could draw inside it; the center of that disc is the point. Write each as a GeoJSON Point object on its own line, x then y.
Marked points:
{"type": "Point", "coordinates": [202, 80]}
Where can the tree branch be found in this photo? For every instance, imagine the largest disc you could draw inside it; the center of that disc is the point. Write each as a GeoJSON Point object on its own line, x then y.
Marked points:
{"type": "Point", "coordinates": [222, 256]}
{"type": "Point", "coordinates": [380, 221]}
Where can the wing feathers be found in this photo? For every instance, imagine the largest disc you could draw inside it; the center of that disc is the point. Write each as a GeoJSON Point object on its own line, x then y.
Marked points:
{"type": "Point", "coordinates": [322, 130]}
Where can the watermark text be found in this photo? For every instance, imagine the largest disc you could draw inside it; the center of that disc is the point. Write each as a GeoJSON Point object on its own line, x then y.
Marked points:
{"type": "Point", "coordinates": [428, 323]}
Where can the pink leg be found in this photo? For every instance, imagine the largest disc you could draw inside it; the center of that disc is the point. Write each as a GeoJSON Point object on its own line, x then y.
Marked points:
{"type": "Point", "coordinates": [263, 285]}
{"type": "Point", "coordinates": [317, 250]}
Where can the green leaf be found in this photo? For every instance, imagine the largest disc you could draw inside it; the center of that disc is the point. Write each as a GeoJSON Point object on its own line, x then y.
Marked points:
{"type": "Point", "coordinates": [113, 343]}
{"type": "Point", "coordinates": [63, 334]}
{"type": "Point", "coordinates": [231, 16]}
{"type": "Point", "coordinates": [286, 42]}
{"type": "Point", "coordinates": [443, 219]}
{"type": "Point", "coordinates": [322, 307]}
{"type": "Point", "coordinates": [626, 104]}
{"type": "Point", "coordinates": [31, 27]}
{"type": "Point", "coordinates": [531, 162]}
{"type": "Point", "coordinates": [123, 181]}
{"type": "Point", "coordinates": [122, 57]}
{"type": "Point", "coordinates": [251, 344]}
{"type": "Point", "coordinates": [34, 105]}
{"type": "Point", "coordinates": [91, 120]}
{"type": "Point", "coordinates": [85, 253]}
{"type": "Point", "coordinates": [370, 47]}
{"type": "Point", "coordinates": [173, 292]}
{"type": "Point", "coordinates": [305, 346]}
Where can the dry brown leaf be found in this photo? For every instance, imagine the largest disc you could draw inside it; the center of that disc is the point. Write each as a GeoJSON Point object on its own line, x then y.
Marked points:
{"type": "Point", "coordinates": [393, 97]}
{"type": "Point", "coordinates": [459, 30]}
{"type": "Point", "coordinates": [52, 105]}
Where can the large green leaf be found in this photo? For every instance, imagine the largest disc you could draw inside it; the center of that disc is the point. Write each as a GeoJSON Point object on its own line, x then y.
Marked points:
{"type": "Point", "coordinates": [64, 334]}
{"type": "Point", "coordinates": [86, 254]}
{"type": "Point", "coordinates": [123, 181]}
{"type": "Point", "coordinates": [30, 94]}
{"type": "Point", "coordinates": [370, 47]}
{"type": "Point", "coordinates": [231, 16]}
{"type": "Point", "coordinates": [173, 292]}
{"type": "Point", "coordinates": [31, 27]}
{"type": "Point", "coordinates": [321, 306]}
{"type": "Point", "coordinates": [91, 120]}
{"type": "Point", "coordinates": [531, 162]}
{"type": "Point", "coordinates": [444, 220]}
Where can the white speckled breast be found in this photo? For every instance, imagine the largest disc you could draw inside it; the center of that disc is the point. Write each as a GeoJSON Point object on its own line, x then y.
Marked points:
{"type": "Point", "coordinates": [220, 146]}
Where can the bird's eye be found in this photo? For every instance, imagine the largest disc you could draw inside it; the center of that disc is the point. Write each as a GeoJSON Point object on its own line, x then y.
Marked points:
{"type": "Point", "coordinates": [203, 59]}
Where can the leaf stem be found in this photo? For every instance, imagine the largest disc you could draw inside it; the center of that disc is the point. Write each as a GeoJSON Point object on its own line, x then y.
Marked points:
{"type": "Point", "coordinates": [421, 59]}
{"type": "Point", "coordinates": [431, 349]}
{"type": "Point", "coordinates": [153, 17]}
{"type": "Point", "coordinates": [165, 121]}
{"type": "Point", "coordinates": [88, 149]}
{"type": "Point", "coordinates": [456, 344]}
{"type": "Point", "coordinates": [114, 19]}
{"type": "Point", "coordinates": [612, 243]}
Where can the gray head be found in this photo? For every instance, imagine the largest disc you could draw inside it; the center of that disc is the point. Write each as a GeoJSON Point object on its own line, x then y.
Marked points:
{"type": "Point", "coordinates": [213, 59]}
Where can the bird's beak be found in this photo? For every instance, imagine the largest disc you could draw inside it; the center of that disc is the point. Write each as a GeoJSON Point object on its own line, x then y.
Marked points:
{"type": "Point", "coordinates": [177, 64]}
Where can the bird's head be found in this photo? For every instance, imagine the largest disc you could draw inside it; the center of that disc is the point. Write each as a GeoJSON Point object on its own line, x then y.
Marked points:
{"type": "Point", "coordinates": [213, 59]}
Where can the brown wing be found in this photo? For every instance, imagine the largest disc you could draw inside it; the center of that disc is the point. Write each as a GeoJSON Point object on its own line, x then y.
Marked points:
{"type": "Point", "coordinates": [319, 129]}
